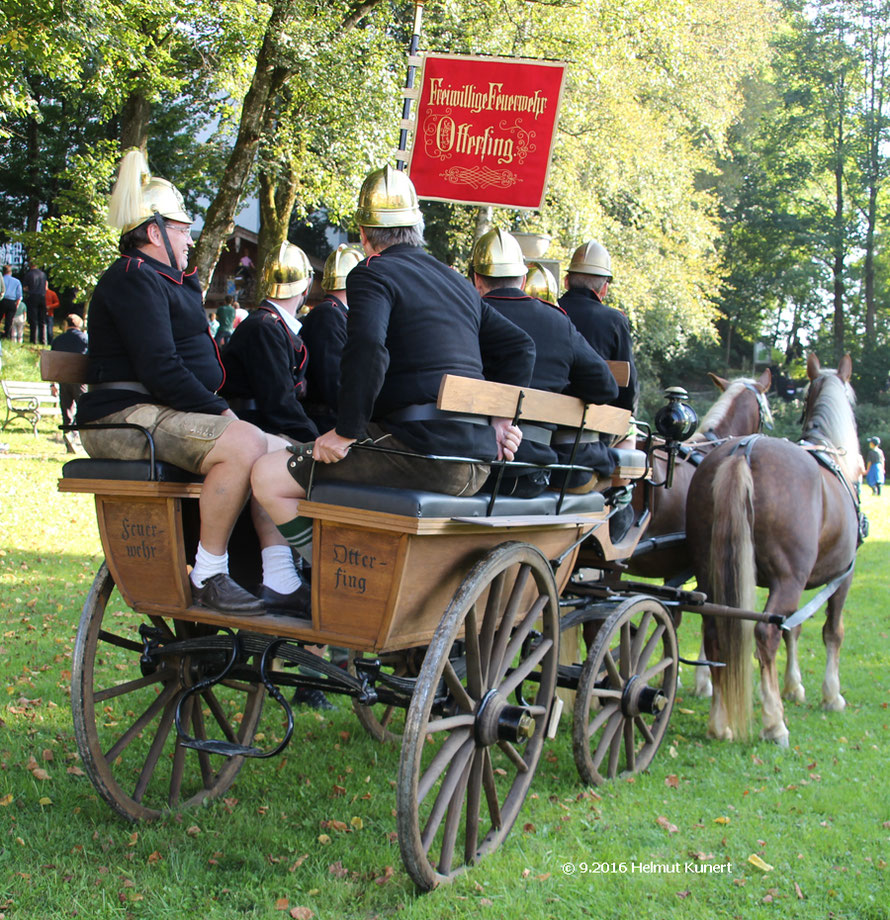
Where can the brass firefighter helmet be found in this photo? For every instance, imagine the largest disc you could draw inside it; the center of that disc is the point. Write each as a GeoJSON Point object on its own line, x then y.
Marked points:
{"type": "Point", "coordinates": [592, 258]}
{"type": "Point", "coordinates": [388, 199]}
{"type": "Point", "coordinates": [138, 196]}
{"type": "Point", "coordinates": [286, 272]}
{"type": "Point", "coordinates": [339, 264]}
{"type": "Point", "coordinates": [540, 283]}
{"type": "Point", "coordinates": [497, 255]}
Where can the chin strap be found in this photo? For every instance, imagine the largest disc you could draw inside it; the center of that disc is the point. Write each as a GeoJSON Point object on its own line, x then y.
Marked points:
{"type": "Point", "coordinates": [163, 228]}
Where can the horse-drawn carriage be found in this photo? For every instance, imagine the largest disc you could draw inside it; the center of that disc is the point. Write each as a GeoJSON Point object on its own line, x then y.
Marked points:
{"type": "Point", "coordinates": [452, 608]}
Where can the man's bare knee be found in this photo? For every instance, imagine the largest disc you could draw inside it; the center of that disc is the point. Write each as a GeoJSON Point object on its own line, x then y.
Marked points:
{"type": "Point", "coordinates": [241, 443]}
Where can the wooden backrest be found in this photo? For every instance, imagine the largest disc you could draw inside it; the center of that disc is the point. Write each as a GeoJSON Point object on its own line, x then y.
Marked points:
{"type": "Point", "coordinates": [63, 366]}
{"type": "Point", "coordinates": [484, 397]}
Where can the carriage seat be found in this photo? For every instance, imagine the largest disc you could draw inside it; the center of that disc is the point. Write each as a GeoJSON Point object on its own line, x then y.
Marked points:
{"type": "Point", "coordinates": [632, 464]}
{"type": "Point", "coordinates": [420, 504]}
{"type": "Point", "coordinates": [128, 470]}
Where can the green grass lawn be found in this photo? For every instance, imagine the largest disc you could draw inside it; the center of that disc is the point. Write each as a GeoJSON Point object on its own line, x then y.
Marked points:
{"type": "Point", "coordinates": [817, 813]}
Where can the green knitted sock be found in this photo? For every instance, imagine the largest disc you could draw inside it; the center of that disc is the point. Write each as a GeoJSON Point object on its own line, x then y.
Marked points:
{"type": "Point", "coordinates": [298, 534]}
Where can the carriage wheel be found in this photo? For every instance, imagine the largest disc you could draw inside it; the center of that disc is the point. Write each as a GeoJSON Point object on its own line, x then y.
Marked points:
{"type": "Point", "coordinates": [124, 710]}
{"type": "Point", "coordinates": [625, 691]}
{"type": "Point", "coordinates": [471, 742]}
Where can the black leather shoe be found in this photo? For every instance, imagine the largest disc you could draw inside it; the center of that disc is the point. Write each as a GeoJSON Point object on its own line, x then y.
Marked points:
{"type": "Point", "coordinates": [311, 697]}
{"type": "Point", "coordinates": [297, 604]}
{"type": "Point", "coordinates": [221, 592]}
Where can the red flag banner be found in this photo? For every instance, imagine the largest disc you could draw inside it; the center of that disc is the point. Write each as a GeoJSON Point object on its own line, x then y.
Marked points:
{"type": "Point", "coordinates": [484, 129]}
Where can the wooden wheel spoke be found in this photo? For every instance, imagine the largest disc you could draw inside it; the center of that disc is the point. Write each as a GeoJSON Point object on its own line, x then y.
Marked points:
{"type": "Point", "coordinates": [639, 638]}
{"type": "Point", "coordinates": [219, 715]}
{"type": "Point", "coordinates": [629, 745]}
{"type": "Point", "coordinates": [624, 652]}
{"type": "Point", "coordinates": [657, 668]}
{"type": "Point", "coordinates": [601, 693]}
{"type": "Point", "coordinates": [441, 760]}
{"type": "Point", "coordinates": [474, 661]}
{"type": "Point", "coordinates": [151, 711]}
{"type": "Point", "coordinates": [490, 788]}
{"type": "Point", "coordinates": [517, 676]}
{"type": "Point", "coordinates": [154, 752]}
{"type": "Point", "coordinates": [449, 723]}
{"type": "Point", "coordinates": [646, 654]}
{"type": "Point", "coordinates": [506, 627]}
{"type": "Point", "coordinates": [643, 728]}
{"type": "Point", "coordinates": [129, 686]}
{"type": "Point", "coordinates": [238, 685]}
{"type": "Point", "coordinates": [179, 752]}
{"type": "Point", "coordinates": [447, 790]}
{"type": "Point", "coordinates": [513, 756]}
{"type": "Point", "coordinates": [489, 622]}
{"type": "Point", "coordinates": [519, 636]}
{"type": "Point", "coordinates": [452, 681]}
{"type": "Point", "coordinates": [610, 732]}
{"type": "Point", "coordinates": [474, 798]}
{"type": "Point", "coordinates": [201, 732]}
{"type": "Point", "coordinates": [614, 677]}
{"type": "Point", "coordinates": [615, 750]}
{"type": "Point", "coordinates": [131, 645]}
{"type": "Point", "coordinates": [452, 820]}
{"type": "Point", "coordinates": [602, 716]}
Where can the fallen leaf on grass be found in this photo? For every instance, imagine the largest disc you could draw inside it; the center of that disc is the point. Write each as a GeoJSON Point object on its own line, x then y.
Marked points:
{"type": "Point", "coordinates": [758, 863]}
{"type": "Point", "coordinates": [299, 862]}
{"type": "Point", "coordinates": [356, 822]}
{"type": "Point", "coordinates": [282, 904]}
{"type": "Point", "coordinates": [301, 913]}
{"type": "Point", "coordinates": [672, 780]}
{"type": "Point", "coordinates": [800, 894]}
{"type": "Point", "coordinates": [684, 894]}
{"type": "Point", "coordinates": [155, 857]}
{"type": "Point", "coordinates": [323, 839]}
{"type": "Point", "coordinates": [661, 821]}
{"type": "Point", "coordinates": [75, 771]}
{"type": "Point", "coordinates": [383, 879]}
{"type": "Point", "coordinates": [338, 870]}
{"type": "Point", "coordinates": [722, 820]}
{"type": "Point", "coordinates": [6, 800]}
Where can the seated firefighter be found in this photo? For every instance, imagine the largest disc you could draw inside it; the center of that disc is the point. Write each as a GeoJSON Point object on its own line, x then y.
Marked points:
{"type": "Point", "coordinates": [564, 363]}
{"type": "Point", "coordinates": [411, 320]}
{"type": "Point", "coordinates": [154, 364]}
{"type": "Point", "coordinates": [324, 334]}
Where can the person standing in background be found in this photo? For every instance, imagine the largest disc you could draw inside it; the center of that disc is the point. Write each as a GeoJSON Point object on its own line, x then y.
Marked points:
{"type": "Point", "coordinates": [12, 297]}
{"type": "Point", "coordinates": [34, 284]}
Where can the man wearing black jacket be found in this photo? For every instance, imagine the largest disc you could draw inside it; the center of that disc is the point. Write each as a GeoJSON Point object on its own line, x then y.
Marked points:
{"type": "Point", "coordinates": [411, 320]}
{"type": "Point", "coordinates": [605, 328]}
{"type": "Point", "coordinates": [564, 363]}
{"type": "Point", "coordinates": [324, 334]}
{"type": "Point", "coordinates": [153, 363]}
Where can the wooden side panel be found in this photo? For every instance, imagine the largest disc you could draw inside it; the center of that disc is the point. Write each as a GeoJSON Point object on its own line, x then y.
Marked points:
{"type": "Point", "coordinates": [620, 371]}
{"type": "Point", "coordinates": [144, 549]}
{"type": "Point", "coordinates": [356, 575]}
{"type": "Point", "coordinates": [482, 397]}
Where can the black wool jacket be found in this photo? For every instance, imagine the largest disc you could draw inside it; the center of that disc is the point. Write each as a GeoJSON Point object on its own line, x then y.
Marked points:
{"type": "Point", "coordinates": [564, 363]}
{"type": "Point", "coordinates": [411, 320]}
{"type": "Point", "coordinates": [147, 324]}
{"type": "Point", "coordinates": [324, 335]}
{"type": "Point", "coordinates": [266, 364]}
{"type": "Point", "coordinates": [608, 331]}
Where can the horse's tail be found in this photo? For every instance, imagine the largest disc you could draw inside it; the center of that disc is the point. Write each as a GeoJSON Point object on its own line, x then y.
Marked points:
{"type": "Point", "coordinates": [733, 580]}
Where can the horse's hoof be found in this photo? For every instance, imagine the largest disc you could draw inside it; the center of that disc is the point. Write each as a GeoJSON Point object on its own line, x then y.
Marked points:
{"type": "Point", "coordinates": [795, 694]}
{"type": "Point", "coordinates": [838, 704]}
{"type": "Point", "coordinates": [724, 734]}
{"type": "Point", "coordinates": [703, 689]}
{"type": "Point", "coordinates": [781, 740]}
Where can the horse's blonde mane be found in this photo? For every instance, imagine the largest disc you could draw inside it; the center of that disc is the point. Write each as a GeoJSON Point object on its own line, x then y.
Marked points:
{"type": "Point", "coordinates": [718, 412]}
{"type": "Point", "coordinates": [831, 419]}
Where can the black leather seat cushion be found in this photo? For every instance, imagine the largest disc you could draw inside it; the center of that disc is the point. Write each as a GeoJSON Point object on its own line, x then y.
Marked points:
{"type": "Point", "coordinates": [131, 470]}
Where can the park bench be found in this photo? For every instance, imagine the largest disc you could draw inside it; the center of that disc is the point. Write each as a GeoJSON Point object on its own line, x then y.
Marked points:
{"type": "Point", "coordinates": [30, 401]}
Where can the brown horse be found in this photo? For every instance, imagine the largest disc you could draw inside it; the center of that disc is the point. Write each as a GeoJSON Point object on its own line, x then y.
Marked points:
{"type": "Point", "coordinates": [783, 516]}
{"type": "Point", "coordinates": [741, 409]}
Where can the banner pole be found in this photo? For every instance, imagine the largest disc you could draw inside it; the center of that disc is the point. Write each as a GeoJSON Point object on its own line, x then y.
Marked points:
{"type": "Point", "coordinates": [409, 80]}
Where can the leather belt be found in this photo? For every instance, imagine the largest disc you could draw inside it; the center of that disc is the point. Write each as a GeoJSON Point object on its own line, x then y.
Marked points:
{"type": "Point", "coordinates": [535, 433]}
{"type": "Point", "coordinates": [427, 412]}
{"type": "Point", "coordinates": [239, 404]}
{"type": "Point", "coordinates": [564, 436]}
{"type": "Point", "coordinates": [133, 385]}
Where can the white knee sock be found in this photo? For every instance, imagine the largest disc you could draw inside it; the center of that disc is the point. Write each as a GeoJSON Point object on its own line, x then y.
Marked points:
{"type": "Point", "coordinates": [207, 565]}
{"type": "Point", "coordinates": [279, 572]}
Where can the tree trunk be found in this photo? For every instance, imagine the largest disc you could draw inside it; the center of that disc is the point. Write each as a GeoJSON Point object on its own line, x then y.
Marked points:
{"type": "Point", "coordinates": [838, 242]}
{"type": "Point", "coordinates": [278, 195]}
{"type": "Point", "coordinates": [267, 81]}
{"type": "Point", "coordinates": [134, 121]}
{"type": "Point", "coordinates": [484, 221]}
{"type": "Point", "coordinates": [32, 218]}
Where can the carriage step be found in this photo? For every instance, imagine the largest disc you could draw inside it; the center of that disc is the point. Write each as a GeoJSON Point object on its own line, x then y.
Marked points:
{"type": "Point", "coordinates": [225, 748]}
